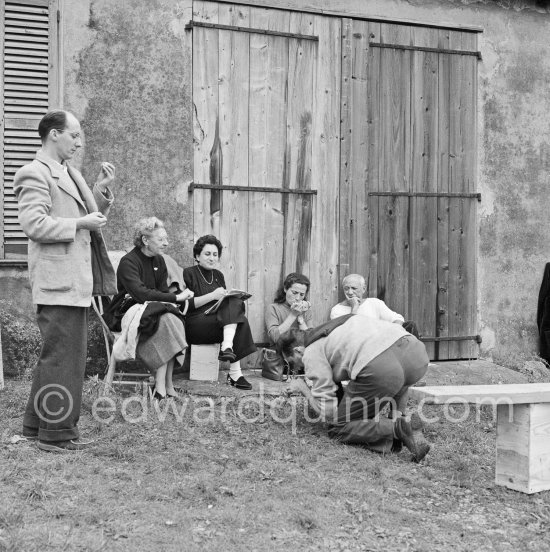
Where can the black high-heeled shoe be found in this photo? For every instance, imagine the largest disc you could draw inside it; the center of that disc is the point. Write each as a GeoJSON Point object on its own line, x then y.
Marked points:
{"type": "Point", "coordinates": [241, 383]}
{"type": "Point", "coordinates": [156, 395]}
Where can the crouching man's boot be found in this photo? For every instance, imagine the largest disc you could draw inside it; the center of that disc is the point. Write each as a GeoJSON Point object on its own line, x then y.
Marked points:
{"type": "Point", "coordinates": [409, 431]}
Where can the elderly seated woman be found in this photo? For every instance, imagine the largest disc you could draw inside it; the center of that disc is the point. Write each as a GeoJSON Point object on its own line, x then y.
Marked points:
{"type": "Point", "coordinates": [142, 278]}
{"type": "Point", "coordinates": [228, 325]}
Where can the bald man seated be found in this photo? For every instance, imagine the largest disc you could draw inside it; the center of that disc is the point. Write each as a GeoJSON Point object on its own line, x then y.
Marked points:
{"type": "Point", "coordinates": [354, 287]}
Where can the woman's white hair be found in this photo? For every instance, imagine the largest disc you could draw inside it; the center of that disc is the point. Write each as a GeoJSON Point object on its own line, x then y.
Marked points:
{"type": "Point", "coordinates": [145, 227]}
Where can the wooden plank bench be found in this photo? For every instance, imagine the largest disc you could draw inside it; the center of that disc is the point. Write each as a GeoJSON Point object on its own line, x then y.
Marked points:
{"type": "Point", "coordinates": [523, 428]}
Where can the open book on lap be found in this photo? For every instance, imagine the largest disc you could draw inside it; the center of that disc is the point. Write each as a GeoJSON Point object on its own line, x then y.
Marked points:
{"type": "Point", "coordinates": [239, 293]}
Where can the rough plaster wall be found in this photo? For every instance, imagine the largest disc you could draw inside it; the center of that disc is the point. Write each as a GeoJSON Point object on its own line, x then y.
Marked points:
{"type": "Point", "coordinates": [539, 6]}
{"type": "Point", "coordinates": [128, 79]}
{"type": "Point", "coordinates": [514, 178]}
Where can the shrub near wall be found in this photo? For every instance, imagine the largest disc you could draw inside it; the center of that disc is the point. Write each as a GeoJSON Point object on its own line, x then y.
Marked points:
{"type": "Point", "coordinates": [21, 343]}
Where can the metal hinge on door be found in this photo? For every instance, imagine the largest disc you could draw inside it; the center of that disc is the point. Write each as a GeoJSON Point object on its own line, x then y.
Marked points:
{"type": "Point", "coordinates": [194, 186]}
{"type": "Point", "coordinates": [472, 195]}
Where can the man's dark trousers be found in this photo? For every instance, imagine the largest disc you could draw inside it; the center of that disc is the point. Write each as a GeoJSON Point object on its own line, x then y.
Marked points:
{"type": "Point", "coordinates": [59, 373]}
{"type": "Point", "coordinates": [384, 380]}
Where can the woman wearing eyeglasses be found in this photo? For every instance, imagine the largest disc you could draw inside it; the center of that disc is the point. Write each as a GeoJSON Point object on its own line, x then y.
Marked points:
{"type": "Point", "coordinates": [142, 281]}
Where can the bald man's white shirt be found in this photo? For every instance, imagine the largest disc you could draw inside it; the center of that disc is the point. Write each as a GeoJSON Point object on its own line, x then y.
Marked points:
{"type": "Point", "coordinates": [372, 307]}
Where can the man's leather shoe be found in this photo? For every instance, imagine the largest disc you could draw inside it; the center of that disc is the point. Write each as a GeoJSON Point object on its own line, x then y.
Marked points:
{"type": "Point", "coordinates": [397, 446]}
{"type": "Point", "coordinates": [241, 383]}
{"type": "Point", "coordinates": [65, 446]}
{"type": "Point", "coordinates": [227, 355]}
{"type": "Point", "coordinates": [409, 431]}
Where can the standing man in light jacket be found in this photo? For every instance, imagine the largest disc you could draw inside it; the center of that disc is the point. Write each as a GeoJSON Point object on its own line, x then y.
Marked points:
{"type": "Point", "coordinates": [68, 263]}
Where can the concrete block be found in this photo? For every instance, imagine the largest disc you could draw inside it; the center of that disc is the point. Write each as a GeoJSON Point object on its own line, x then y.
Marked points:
{"type": "Point", "coordinates": [204, 362]}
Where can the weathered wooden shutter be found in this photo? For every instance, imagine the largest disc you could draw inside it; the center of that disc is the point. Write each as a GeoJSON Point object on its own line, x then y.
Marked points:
{"type": "Point", "coordinates": [28, 89]}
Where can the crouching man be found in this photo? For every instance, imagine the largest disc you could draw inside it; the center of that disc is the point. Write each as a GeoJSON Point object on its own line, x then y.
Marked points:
{"type": "Point", "coordinates": [381, 360]}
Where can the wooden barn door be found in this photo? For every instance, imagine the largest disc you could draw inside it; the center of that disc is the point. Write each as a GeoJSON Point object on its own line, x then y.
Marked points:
{"type": "Point", "coordinates": [408, 201]}
{"type": "Point", "coordinates": [259, 102]}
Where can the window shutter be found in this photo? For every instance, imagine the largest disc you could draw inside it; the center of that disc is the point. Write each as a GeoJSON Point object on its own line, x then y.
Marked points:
{"type": "Point", "coordinates": [26, 89]}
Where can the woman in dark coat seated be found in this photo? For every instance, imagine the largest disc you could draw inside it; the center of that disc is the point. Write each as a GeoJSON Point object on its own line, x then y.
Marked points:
{"type": "Point", "coordinates": [142, 275]}
{"type": "Point", "coordinates": [229, 325]}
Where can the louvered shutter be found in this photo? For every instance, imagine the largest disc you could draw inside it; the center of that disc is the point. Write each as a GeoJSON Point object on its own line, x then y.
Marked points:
{"type": "Point", "coordinates": [27, 96]}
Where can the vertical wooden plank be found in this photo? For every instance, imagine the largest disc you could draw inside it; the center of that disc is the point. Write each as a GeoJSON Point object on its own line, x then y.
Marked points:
{"type": "Point", "coordinates": [233, 134]}
{"type": "Point", "coordinates": [374, 149]}
{"type": "Point", "coordinates": [395, 77]}
{"type": "Point", "coordinates": [325, 166]}
{"type": "Point", "coordinates": [268, 84]}
{"type": "Point", "coordinates": [298, 208]}
{"type": "Point", "coordinates": [462, 235]}
{"type": "Point", "coordinates": [423, 210]}
{"type": "Point", "coordinates": [468, 118]}
{"type": "Point", "coordinates": [347, 125]}
{"type": "Point", "coordinates": [207, 159]}
{"type": "Point", "coordinates": [455, 185]}
{"type": "Point", "coordinates": [441, 349]}
{"type": "Point", "coordinates": [359, 157]}
{"type": "Point", "coordinates": [469, 349]}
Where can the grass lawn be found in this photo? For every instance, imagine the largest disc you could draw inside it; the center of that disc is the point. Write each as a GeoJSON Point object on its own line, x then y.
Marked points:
{"type": "Point", "coordinates": [211, 478]}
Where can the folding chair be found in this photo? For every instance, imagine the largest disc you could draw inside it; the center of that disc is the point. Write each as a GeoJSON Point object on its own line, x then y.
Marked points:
{"type": "Point", "coordinates": [110, 337]}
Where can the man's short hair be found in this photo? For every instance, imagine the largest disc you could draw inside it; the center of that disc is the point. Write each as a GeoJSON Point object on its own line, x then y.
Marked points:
{"type": "Point", "coordinates": [354, 277]}
{"type": "Point", "coordinates": [290, 339]}
{"type": "Point", "coordinates": [55, 119]}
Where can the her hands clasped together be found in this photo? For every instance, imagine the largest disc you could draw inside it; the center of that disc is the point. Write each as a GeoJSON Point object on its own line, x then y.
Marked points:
{"type": "Point", "coordinates": [185, 295]}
